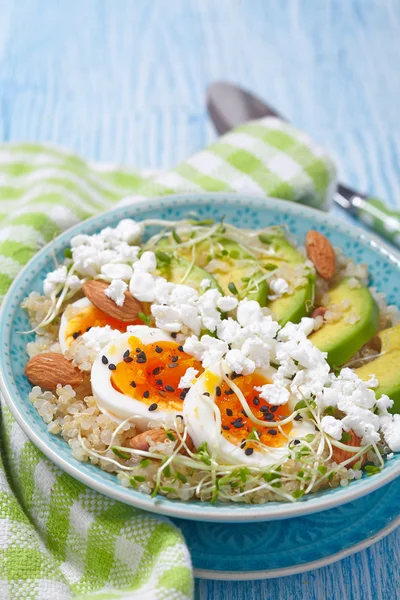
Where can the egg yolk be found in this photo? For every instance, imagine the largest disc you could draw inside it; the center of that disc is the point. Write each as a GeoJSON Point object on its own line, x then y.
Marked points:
{"type": "Point", "coordinates": [151, 373]}
{"type": "Point", "coordinates": [93, 317]}
{"type": "Point", "coordinates": [236, 426]}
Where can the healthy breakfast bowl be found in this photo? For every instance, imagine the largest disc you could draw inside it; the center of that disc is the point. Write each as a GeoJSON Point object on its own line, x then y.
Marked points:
{"type": "Point", "coordinates": [210, 357]}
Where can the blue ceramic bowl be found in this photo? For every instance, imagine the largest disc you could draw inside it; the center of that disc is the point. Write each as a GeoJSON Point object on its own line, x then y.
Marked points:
{"type": "Point", "coordinates": [242, 211]}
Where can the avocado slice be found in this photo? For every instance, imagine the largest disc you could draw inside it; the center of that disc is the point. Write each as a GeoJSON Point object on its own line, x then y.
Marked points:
{"type": "Point", "coordinates": [341, 339]}
{"type": "Point", "coordinates": [386, 367]}
{"type": "Point", "coordinates": [238, 267]}
{"type": "Point", "coordinates": [175, 270]}
{"type": "Point", "coordinates": [290, 307]}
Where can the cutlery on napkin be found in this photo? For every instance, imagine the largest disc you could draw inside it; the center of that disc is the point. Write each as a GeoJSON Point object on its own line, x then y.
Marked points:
{"type": "Point", "coordinates": [230, 105]}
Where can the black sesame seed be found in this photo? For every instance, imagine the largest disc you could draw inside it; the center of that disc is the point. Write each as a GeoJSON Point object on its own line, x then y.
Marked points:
{"type": "Point", "coordinates": [226, 427]}
{"type": "Point", "coordinates": [128, 359]}
{"type": "Point", "coordinates": [229, 412]}
{"type": "Point", "coordinates": [229, 392]}
{"type": "Point", "coordinates": [88, 328]}
{"type": "Point", "coordinates": [133, 384]}
{"type": "Point", "coordinates": [104, 360]}
{"type": "Point", "coordinates": [298, 418]}
{"type": "Point", "coordinates": [172, 365]}
{"type": "Point", "coordinates": [243, 444]}
{"type": "Point", "coordinates": [183, 393]}
{"type": "Point", "coordinates": [268, 417]}
{"type": "Point", "coordinates": [112, 367]}
{"type": "Point", "coordinates": [272, 431]}
{"type": "Point", "coordinates": [153, 406]}
{"type": "Point", "coordinates": [157, 371]}
{"type": "Point", "coordinates": [159, 381]}
{"type": "Point", "coordinates": [249, 451]}
{"type": "Point", "coordinates": [180, 348]}
{"type": "Point", "coordinates": [273, 408]}
{"type": "Point", "coordinates": [264, 409]}
{"type": "Point", "coordinates": [126, 354]}
{"type": "Point", "coordinates": [256, 400]}
{"type": "Point", "coordinates": [206, 393]}
{"type": "Point", "coordinates": [138, 349]}
{"type": "Point", "coordinates": [296, 442]}
{"type": "Point", "coordinates": [244, 412]}
{"type": "Point", "coordinates": [235, 375]}
{"type": "Point", "coordinates": [146, 394]}
{"type": "Point", "coordinates": [174, 358]}
{"type": "Point", "coordinates": [158, 349]}
{"type": "Point", "coordinates": [76, 334]}
{"type": "Point", "coordinates": [174, 335]}
{"type": "Point", "coordinates": [169, 388]}
{"type": "Point", "coordinates": [218, 390]}
{"type": "Point", "coordinates": [238, 423]}
{"type": "Point", "coordinates": [141, 357]}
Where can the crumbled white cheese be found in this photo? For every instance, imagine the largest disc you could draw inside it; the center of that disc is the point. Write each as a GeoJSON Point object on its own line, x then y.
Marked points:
{"type": "Point", "coordinates": [229, 330]}
{"type": "Point", "coordinates": [274, 393]}
{"type": "Point", "coordinates": [227, 303]}
{"type": "Point", "coordinates": [205, 284]}
{"type": "Point", "coordinates": [279, 287]}
{"type": "Point", "coordinates": [116, 291]}
{"type": "Point", "coordinates": [116, 271]}
{"type": "Point", "coordinates": [208, 350]}
{"type": "Point", "coordinates": [90, 253]}
{"type": "Point", "coordinates": [248, 312]}
{"type": "Point", "coordinates": [54, 279]}
{"type": "Point", "coordinates": [207, 305]}
{"type": "Point", "coordinates": [147, 263]}
{"type": "Point", "coordinates": [167, 318]}
{"type": "Point", "coordinates": [333, 427]}
{"type": "Point", "coordinates": [74, 283]}
{"type": "Point", "coordinates": [129, 231]}
{"type": "Point", "coordinates": [391, 433]}
{"type": "Point", "coordinates": [98, 337]}
{"type": "Point", "coordinates": [238, 362]}
{"type": "Point", "coordinates": [384, 403]}
{"type": "Point", "coordinates": [141, 286]}
{"type": "Point", "coordinates": [187, 379]}
{"type": "Point", "coordinates": [256, 351]}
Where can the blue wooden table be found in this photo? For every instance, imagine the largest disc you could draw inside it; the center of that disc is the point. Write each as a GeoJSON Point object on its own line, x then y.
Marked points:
{"type": "Point", "coordinates": [124, 81]}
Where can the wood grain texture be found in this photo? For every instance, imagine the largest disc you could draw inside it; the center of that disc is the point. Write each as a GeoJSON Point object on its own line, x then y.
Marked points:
{"type": "Point", "coordinates": [124, 81]}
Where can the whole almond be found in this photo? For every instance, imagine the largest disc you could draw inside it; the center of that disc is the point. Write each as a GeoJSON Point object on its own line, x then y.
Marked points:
{"type": "Point", "coordinates": [320, 251]}
{"type": "Point", "coordinates": [94, 291]}
{"type": "Point", "coordinates": [50, 368]}
{"type": "Point", "coordinates": [339, 455]}
{"type": "Point", "coordinates": [141, 441]}
{"type": "Point", "coordinates": [319, 311]}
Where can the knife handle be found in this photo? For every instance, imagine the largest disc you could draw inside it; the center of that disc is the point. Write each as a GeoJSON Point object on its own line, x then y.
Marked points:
{"type": "Point", "coordinates": [373, 212]}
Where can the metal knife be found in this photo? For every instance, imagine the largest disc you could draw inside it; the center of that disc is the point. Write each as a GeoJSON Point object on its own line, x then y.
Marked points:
{"type": "Point", "coordinates": [229, 105]}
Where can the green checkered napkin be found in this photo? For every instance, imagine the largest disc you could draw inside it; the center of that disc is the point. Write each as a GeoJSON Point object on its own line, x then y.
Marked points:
{"type": "Point", "coordinates": [59, 539]}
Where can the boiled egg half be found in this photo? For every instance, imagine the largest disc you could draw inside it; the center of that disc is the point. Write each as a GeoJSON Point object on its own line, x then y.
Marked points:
{"type": "Point", "coordinates": [215, 415]}
{"type": "Point", "coordinates": [138, 377]}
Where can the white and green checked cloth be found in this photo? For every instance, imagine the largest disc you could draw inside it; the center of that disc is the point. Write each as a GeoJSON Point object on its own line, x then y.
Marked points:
{"type": "Point", "coordinates": [59, 539]}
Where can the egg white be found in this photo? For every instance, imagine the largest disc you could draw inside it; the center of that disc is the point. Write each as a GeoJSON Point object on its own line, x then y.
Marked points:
{"type": "Point", "coordinates": [198, 411]}
{"type": "Point", "coordinates": [111, 401]}
{"type": "Point", "coordinates": [62, 334]}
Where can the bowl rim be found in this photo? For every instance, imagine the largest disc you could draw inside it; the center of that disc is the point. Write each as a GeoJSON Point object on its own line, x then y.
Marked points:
{"type": "Point", "coordinates": [194, 510]}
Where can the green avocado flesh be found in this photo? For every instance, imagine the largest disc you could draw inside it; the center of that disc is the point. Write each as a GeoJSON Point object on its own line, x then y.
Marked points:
{"type": "Point", "coordinates": [236, 270]}
{"type": "Point", "coordinates": [290, 307]}
{"type": "Point", "coordinates": [341, 339]}
{"type": "Point", "coordinates": [176, 269]}
{"type": "Point", "coordinates": [386, 368]}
